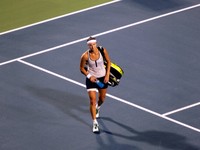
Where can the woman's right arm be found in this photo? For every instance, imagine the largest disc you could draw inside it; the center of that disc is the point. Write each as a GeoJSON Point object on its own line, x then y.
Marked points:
{"type": "Point", "coordinates": [83, 63]}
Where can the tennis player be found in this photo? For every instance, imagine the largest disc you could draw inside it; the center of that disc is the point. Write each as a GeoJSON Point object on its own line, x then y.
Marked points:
{"type": "Point", "coordinates": [95, 71]}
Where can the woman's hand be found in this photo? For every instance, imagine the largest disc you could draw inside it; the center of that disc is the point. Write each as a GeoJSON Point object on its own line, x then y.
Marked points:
{"type": "Point", "coordinates": [93, 79]}
{"type": "Point", "coordinates": [106, 79]}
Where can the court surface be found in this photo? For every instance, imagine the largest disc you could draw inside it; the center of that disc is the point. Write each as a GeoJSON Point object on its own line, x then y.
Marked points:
{"type": "Point", "coordinates": [43, 100]}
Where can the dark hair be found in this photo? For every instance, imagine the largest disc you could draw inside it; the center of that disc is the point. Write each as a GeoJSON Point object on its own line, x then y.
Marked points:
{"type": "Point", "coordinates": [91, 38]}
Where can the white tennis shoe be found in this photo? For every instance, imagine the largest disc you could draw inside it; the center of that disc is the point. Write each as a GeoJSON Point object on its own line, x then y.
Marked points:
{"type": "Point", "coordinates": [95, 127]}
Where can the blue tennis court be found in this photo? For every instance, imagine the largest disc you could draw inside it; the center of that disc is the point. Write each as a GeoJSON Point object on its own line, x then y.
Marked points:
{"type": "Point", "coordinates": [43, 100]}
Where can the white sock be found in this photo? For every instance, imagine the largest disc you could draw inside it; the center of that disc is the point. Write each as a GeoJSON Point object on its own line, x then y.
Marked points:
{"type": "Point", "coordinates": [95, 121]}
{"type": "Point", "coordinates": [98, 107]}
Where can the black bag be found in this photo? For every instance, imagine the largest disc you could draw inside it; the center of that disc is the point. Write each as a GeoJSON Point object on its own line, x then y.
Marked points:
{"type": "Point", "coordinates": [116, 71]}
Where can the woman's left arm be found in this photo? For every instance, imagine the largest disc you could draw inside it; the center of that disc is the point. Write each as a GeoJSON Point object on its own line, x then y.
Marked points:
{"type": "Point", "coordinates": [107, 65]}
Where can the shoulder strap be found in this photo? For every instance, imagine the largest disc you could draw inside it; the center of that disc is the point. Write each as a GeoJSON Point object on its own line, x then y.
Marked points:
{"type": "Point", "coordinates": [101, 49]}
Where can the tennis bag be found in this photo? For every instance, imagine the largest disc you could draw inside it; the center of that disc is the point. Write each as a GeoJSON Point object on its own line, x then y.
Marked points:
{"type": "Point", "coordinates": [116, 71]}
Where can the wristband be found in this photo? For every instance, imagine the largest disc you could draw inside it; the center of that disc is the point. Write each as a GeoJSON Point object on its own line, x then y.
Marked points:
{"type": "Point", "coordinates": [88, 76]}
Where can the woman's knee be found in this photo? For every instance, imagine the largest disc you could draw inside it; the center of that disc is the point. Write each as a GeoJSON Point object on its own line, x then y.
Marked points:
{"type": "Point", "coordinates": [93, 102]}
{"type": "Point", "coordinates": [102, 96]}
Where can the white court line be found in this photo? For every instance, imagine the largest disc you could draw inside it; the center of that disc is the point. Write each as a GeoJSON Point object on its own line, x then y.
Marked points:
{"type": "Point", "coordinates": [181, 109]}
{"type": "Point", "coordinates": [100, 34]}
{"type": "Point", "coordinates": [58, 17]}
{"type": "Point", "coordinates": [111, 96]}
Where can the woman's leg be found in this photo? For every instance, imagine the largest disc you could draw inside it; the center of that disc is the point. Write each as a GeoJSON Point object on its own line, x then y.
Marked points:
{"type": "Point", "coordinates": [92, 96]}
{"type": "Point", "coordinates": [102, 95]}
